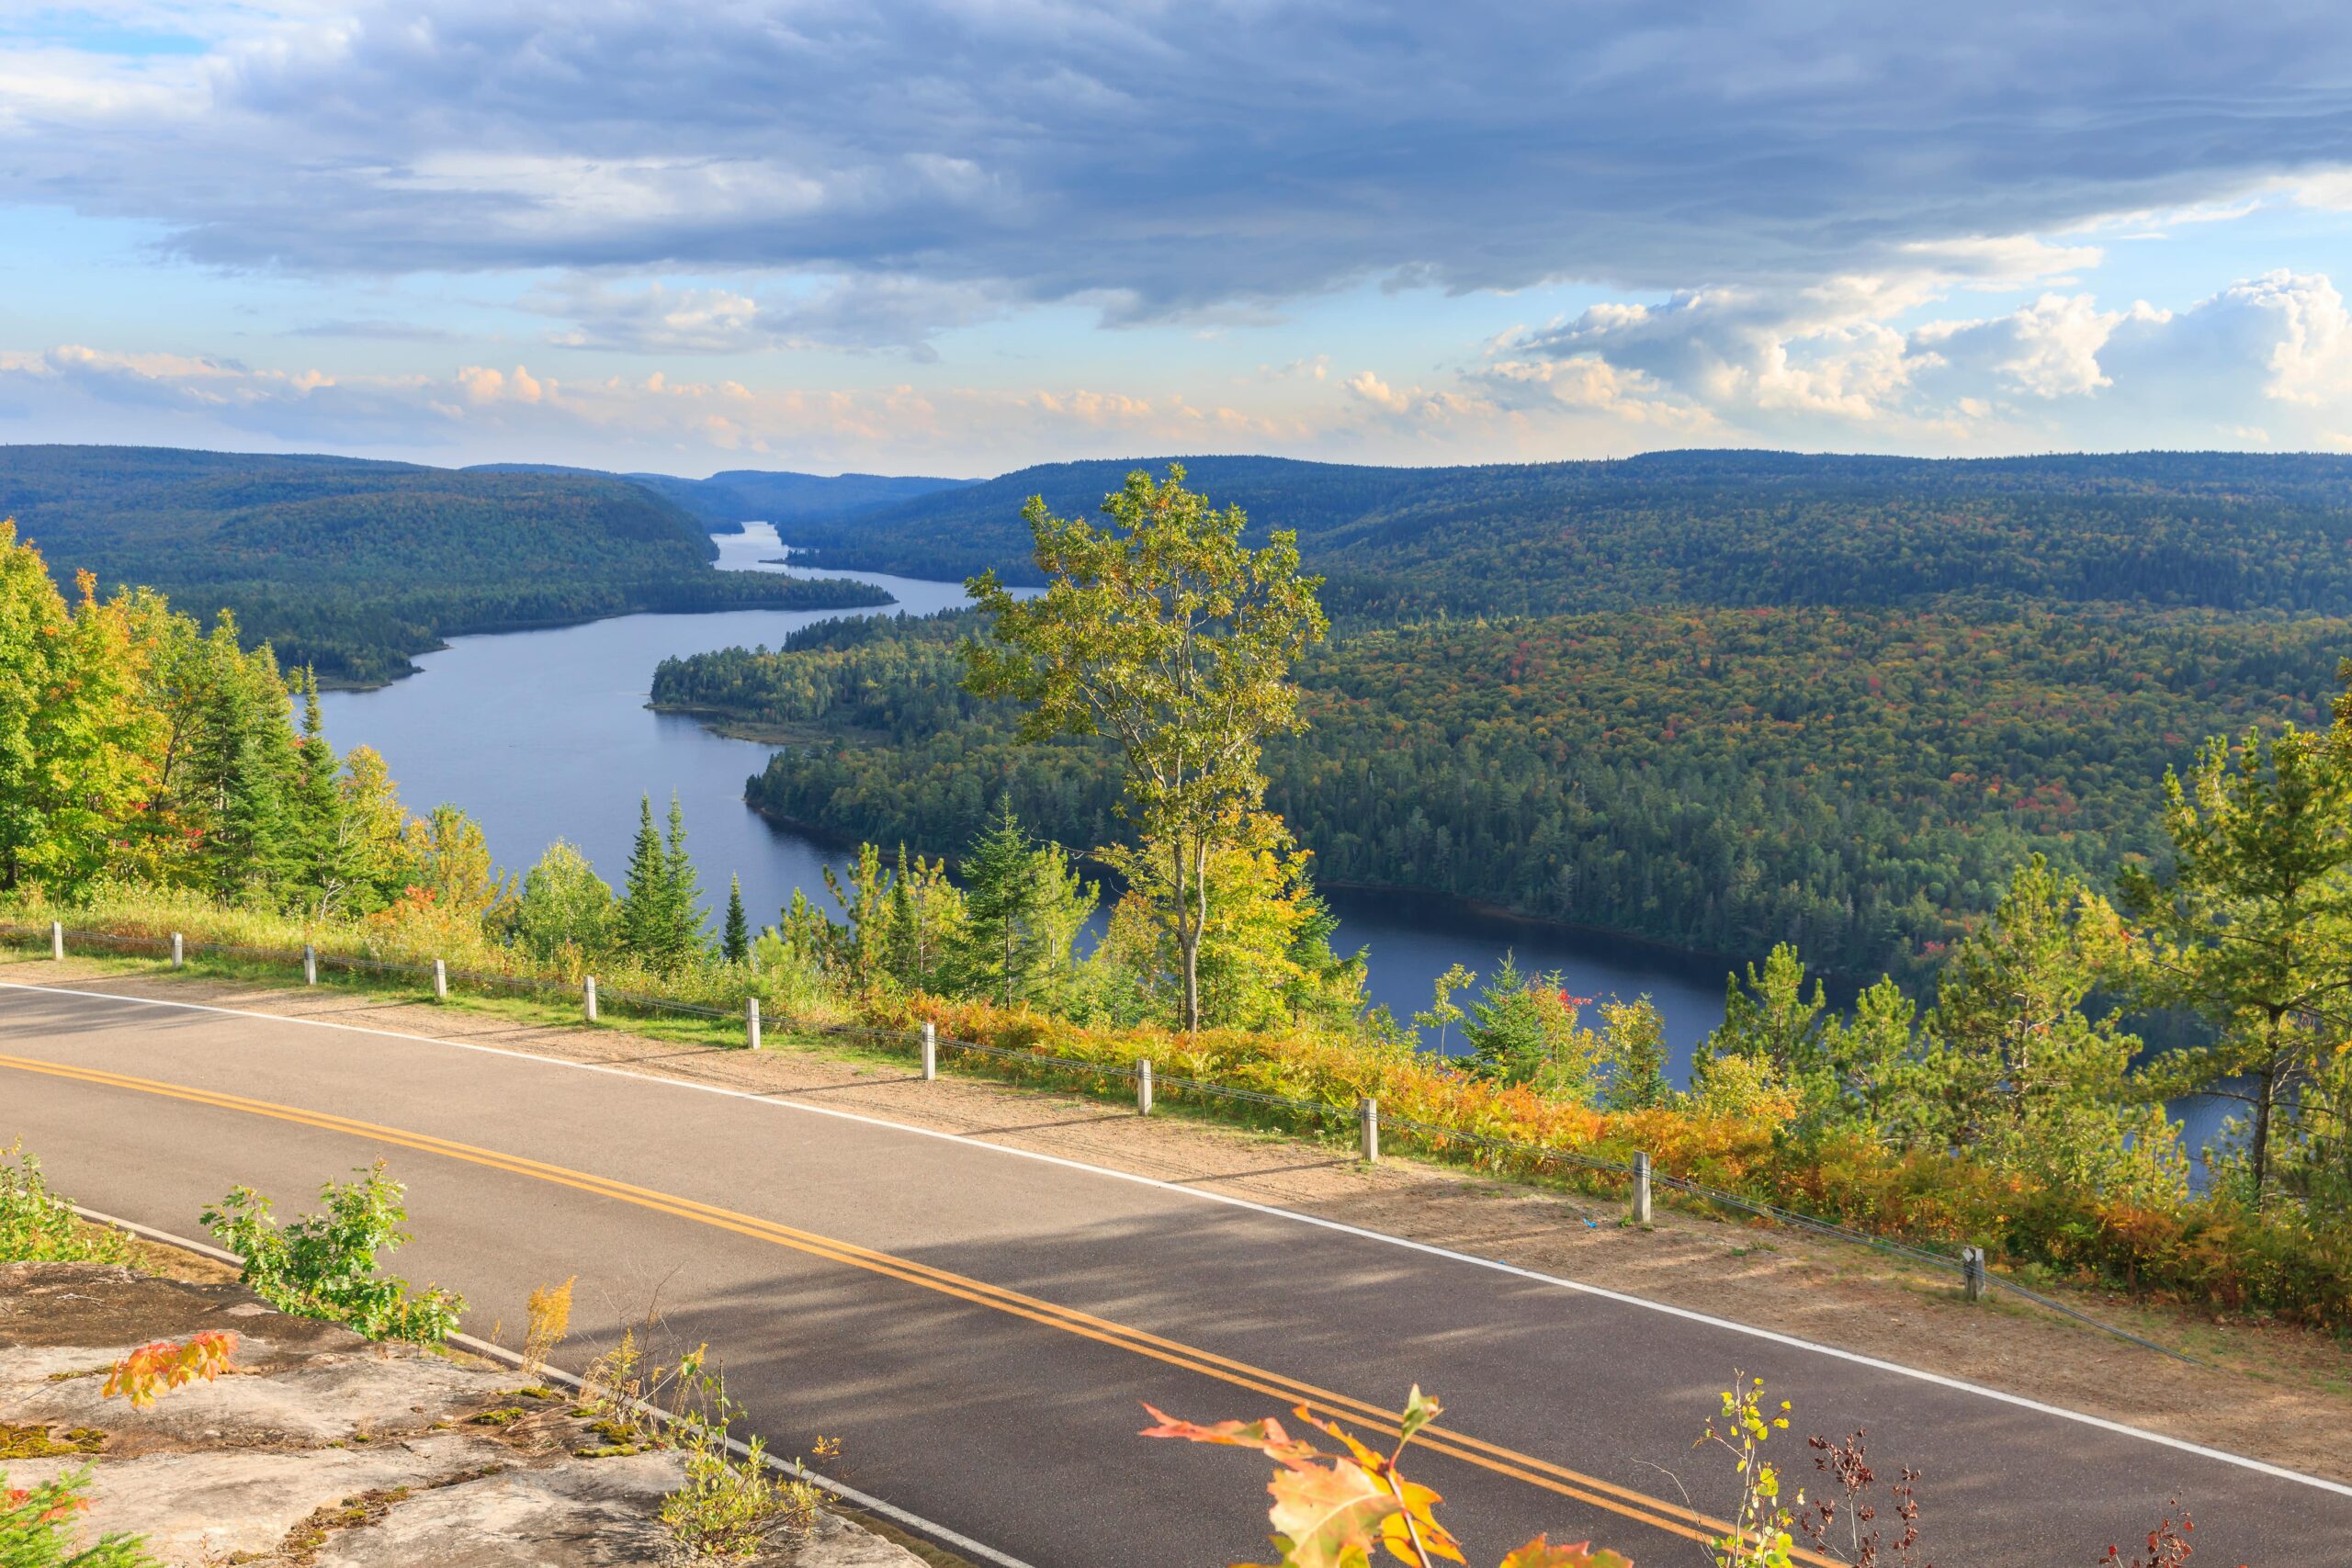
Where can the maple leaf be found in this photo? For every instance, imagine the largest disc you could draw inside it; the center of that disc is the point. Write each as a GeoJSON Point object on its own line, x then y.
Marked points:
{"type": "Point", "coordinates": [1267, 1436]}
{"type": "Point", "coordinates": [1329, 1519]}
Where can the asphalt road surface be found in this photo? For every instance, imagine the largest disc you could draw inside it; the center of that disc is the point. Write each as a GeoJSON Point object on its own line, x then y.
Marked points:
{"type": "Point", "coordinates": [980, 1326]}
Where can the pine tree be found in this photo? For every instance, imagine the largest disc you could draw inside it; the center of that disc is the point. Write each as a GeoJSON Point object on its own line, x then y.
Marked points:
{"type": "Point", "coordinates": [735, 945]}
{"type": "Point", "coordinates": [2252, 926]}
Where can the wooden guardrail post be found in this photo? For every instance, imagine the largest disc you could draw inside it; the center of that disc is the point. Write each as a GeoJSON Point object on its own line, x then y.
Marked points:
{"type": "Point", "coordinates": [929, 1052]}
{"type": "Point", "coordinates": [179, 951]}
{"type": "Point", "coordinates": [57, 939]}
{"type": "Point", "coordinates": [440, 981]}
{"type": "Point", "coordinates": [588, 998]}
{"type": "Point", "coordinates": [751, 1022]}
{"type": "Point", "coordinates": [1973, 1280]}
{"type": "Point", "coordinates": [1641, 1189]}
{"type": "Point", "coordinates": [1143, 1086]}
{"type": "Point", "coordinates": [1368, 1128]}
{"type": "Point", "coordinates": [309, 965]}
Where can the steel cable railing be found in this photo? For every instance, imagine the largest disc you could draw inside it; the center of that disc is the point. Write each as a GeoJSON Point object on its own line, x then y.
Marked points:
{"type": "Point", "coordinates": [1438, 1137]}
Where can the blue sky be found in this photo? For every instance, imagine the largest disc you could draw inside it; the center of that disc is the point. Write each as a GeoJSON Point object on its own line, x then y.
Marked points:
{"type": "Point", "coordinates": [959, 238]}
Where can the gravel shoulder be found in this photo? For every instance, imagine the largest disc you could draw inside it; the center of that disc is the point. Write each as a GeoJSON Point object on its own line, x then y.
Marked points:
{"type": "Point", "coordinates": [2269, 1391]}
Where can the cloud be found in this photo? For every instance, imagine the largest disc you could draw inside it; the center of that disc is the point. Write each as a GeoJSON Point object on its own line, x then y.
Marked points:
{"type": "Point", "coordinates": [1160, 159]}
{"type": "Point", "coordinates": [854, 313]}
{"type": "Point", "coordinates": [2266, 361]}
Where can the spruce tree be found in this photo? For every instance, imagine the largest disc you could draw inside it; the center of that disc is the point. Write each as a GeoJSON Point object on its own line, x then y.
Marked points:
{"type": "Point", "coordinates": [643, 904]}
{"type": "Point", "coordinates": [323, 874]}
{"type": "Point", "coordinates": [682, 937]}
{"type": "Point", "coordinates": [735, 945]}
{"type": "Point", "coordinates": [1000, 903]}
{"type": "Point", "coordinates": [243, 763]}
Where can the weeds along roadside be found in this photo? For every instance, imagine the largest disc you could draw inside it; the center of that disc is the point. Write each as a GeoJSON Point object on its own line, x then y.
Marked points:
{"type": "Point", "coordinates": [1311, 1089]}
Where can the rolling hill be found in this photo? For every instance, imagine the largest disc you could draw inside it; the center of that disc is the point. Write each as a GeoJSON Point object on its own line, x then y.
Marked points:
{"type": "Point", "coordinates": [352, 566]}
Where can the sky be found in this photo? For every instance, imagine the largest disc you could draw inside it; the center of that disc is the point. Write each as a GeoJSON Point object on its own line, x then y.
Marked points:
{"type": "Point", "coordinates": [906, 237]}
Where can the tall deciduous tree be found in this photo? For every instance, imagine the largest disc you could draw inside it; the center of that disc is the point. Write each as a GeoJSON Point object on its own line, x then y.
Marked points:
{"type": "Point", "coordinates": [372, 856]}
{"type": "Point", "coordinates": [2252, 926]}
{"type": "Point", "coordinates": [1169, 634]}
{"type": "Point", "coordinates": [565, 907]}
{"type": "Point", "coordinates": [76, 742]}
{"type": "Point", "coordinates": [450, 858]}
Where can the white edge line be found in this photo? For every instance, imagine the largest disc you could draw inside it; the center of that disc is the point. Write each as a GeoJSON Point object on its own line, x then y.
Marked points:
{"type": "Point", "coordinates": [1770, 1335]}
{"type": "Point", "coordinates": [842, 1490]}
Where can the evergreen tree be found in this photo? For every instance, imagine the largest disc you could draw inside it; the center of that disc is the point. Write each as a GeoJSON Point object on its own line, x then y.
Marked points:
{"type": "Point", "coordinates": [1525, 1029]}
{"type": "Point", "coordinates": [1774, 1024]}
{"type": "Point", "coordinates": [323, 875]}
{"type": "Point", "coordinates": [645, 921]}
{"type": "Point", "coordinates": [242, 771]}
{"type": "Point", "coordinates": [685, 938]}
{"type": "Point", "coordinates": [926, 920]}
{"type": "Point", "coordinates": [1000, 906]}
{"type": "Point", "coordinates": [2016, 1072]}
{"type": "Point", "coordinates": [735, 944]}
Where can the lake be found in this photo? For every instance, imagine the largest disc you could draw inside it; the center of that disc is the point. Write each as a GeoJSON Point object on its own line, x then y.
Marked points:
{"type": "Point", "coordinates": [542, 735]}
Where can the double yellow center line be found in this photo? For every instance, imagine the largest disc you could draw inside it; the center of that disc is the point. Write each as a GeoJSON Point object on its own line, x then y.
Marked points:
{"type": "Point", "coordinates": [1673, 1518]}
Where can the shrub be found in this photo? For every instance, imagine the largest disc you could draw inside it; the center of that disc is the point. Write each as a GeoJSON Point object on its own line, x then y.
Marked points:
{"type": "Point", "coordinates": [37, 1225]}
{"type": "Point", "coordinates": [323, 1266]}
{"type": "Point", "coordinates": [37, 1528]}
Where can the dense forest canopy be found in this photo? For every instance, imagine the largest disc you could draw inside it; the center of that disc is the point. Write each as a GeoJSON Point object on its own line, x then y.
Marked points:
{"type": "Point", "coordinates": [351, 566]}
{"type": "Point", "coordinates": [1722, 699]}
{"type": "Point", "coordinates": [2221, 530]}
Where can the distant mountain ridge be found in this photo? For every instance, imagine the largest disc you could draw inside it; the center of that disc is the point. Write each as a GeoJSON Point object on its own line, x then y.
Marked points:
{"type": "Point", "coordinates": [726, 499]}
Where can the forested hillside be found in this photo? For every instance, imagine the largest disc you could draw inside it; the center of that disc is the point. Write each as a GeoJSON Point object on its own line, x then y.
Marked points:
{"type": "Point", "coordinates": [738, 495]}
{"type": "Point", "coordinates": [352, 566]}
{"type": "Point", "coordinates": [1855, 781]}
{"type": "Point", "coordinates": [2222, 530]}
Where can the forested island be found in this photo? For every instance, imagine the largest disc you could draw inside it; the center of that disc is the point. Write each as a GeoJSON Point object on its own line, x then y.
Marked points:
{"type": "Point", "coordinates": [1715, 700]}
{"type": "Point", "coordinates": [349, 567]}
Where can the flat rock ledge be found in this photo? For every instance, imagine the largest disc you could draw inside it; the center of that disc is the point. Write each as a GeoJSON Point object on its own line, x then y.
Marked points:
{"type": "Point", "coordinates": [324, 1450]}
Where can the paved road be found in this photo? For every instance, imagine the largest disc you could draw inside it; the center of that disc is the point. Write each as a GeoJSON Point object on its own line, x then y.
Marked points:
{"type": "Point", "coordinates": [979, 1326]}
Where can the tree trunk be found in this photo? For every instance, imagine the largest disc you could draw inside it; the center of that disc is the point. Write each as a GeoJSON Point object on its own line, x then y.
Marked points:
{"type": "Point", "coordinates": [1193, 918]}
{"type": "Point", "coordinates": [2264, 1094]}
